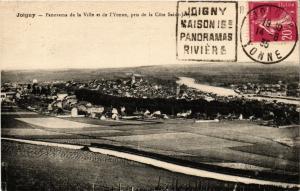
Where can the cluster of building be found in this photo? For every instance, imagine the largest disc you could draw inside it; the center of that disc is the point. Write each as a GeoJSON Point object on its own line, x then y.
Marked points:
{"type": "Point", "coordinates": [12, 91]}
{"type": "Point", "coordinates": [58, 98]}
{"type": "Point", "coordinates": [64, 105]}
{"type": "Point", "coordinates": [277, 90]}
{"type": "Point", "coordinates": [135, 87]}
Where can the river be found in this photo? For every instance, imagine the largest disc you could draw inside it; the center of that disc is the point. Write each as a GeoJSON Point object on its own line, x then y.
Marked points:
{"type": "Point", "coordinates": [190, 82]}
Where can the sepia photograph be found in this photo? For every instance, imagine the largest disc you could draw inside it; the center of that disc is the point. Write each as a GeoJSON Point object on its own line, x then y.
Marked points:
{"type": "Point", "coordinates": [150, 95]}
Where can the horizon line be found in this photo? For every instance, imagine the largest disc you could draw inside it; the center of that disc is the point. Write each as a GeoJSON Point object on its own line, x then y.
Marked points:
{"type": "Point", "coordinates": [153, 65]}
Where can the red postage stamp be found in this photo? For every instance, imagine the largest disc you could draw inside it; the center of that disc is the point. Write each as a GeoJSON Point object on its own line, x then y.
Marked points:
{"type": "Point", "coordinates": [269, 31]}
{"type": "Point", "coordinates": [273, 21]}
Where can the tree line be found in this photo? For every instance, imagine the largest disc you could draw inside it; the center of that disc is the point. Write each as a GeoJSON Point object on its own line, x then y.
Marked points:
{"type": "Point", "coordinates": [281, 114]}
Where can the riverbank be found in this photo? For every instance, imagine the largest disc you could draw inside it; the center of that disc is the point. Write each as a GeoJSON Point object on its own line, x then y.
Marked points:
{"type": "Point", "coordinates": [219, 91]}
{"type": "Point", "coordinates": [190, 82]}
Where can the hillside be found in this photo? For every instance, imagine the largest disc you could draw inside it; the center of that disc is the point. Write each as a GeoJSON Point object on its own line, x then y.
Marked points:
{"type": "Point", "coordinates": [217, 74]}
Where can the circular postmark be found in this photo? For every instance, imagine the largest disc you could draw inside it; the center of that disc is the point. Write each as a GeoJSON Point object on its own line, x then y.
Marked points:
{"type": "Point", "coordinates": [268, 34]}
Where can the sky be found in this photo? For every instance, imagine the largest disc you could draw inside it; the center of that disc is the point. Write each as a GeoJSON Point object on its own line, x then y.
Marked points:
{"type": "Point", "coordinates": [87, 42]}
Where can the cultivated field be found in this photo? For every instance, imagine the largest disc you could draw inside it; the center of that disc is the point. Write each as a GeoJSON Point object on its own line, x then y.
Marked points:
{"type": "Point", "coordinates": [30, 167]}
{"type": "Point", "coordinates": [235, 144]}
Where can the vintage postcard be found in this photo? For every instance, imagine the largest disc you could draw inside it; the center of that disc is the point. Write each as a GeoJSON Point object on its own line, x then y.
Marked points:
{"type": "Point", "coordinates": [150, 95]}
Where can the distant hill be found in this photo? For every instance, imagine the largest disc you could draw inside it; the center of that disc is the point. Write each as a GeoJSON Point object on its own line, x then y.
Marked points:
{"type": "Point", "coordinates": [211, 73]}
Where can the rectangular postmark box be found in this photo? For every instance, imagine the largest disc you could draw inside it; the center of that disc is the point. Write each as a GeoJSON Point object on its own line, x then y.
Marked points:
{"type": "Point", "coordinates": [207, 31]}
